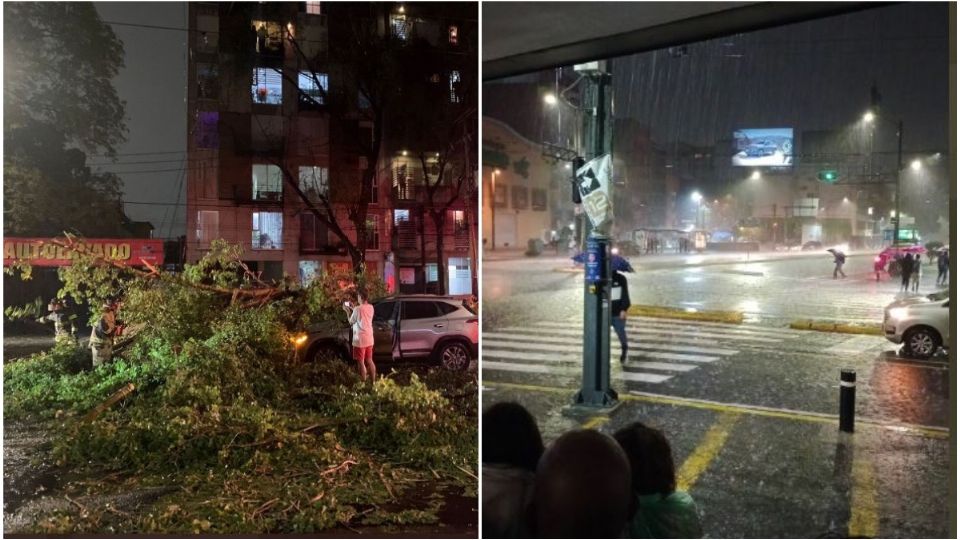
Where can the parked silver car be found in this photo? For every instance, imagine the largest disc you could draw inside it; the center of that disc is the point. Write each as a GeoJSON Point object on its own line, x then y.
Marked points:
{"type": "Point", "coordinates": [408, 327]}
{"type": "Point", "coordinates": [921, 323]}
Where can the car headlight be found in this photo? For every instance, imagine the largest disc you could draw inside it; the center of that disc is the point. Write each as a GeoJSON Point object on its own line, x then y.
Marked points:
{"type": "Point", "coordinates": [898, 313]}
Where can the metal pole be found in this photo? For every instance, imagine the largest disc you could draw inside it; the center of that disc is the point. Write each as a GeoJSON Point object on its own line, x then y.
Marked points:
{"type": "Point", "coordinates": [896, 196]}
{"type": "Point", "coordinates": [848, 395]}
{"type": "Point", "coordinates": [595, 390]}
{"type": "Point", "coordinates": [493, 210]}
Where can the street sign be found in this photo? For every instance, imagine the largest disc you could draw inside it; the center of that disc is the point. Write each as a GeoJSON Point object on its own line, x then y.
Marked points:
{"type": "Point", "coordinates": [592, 262]}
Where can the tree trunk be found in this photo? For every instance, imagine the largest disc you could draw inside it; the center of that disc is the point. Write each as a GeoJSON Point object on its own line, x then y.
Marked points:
{"type": "Point", "coordinates": [423, 247]}
{"type": "Point", "coordinates": [439, 220]}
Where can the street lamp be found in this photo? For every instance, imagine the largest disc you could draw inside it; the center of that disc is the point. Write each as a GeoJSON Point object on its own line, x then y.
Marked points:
{"type": "Point", "coordinates": [550, 99]}
{"type": "Point", "coordinates": [916, 164]}
{"type": "Point", "coordinates": [869, 117]}
{"type": "Point", "coordinates": [697, 198]}
{"type": "Point", "coordinates": [493, 209]}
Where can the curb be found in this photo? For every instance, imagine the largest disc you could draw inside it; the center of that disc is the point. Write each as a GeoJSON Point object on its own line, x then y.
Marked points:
{"type": "Point", "coordinates": [569, 269]}
{"type": "Point", "coordinates": [837, 327]}
{"type": "Point", "coordinates": [663, 312]}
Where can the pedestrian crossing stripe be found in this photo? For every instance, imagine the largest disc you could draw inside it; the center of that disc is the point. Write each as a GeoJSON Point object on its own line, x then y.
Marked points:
{"type": "Point", "coordinates": [570, 358]}
{"type": "Point", "coordinates": [577, 331]}
{"type": "Point", "coordinates": [666, 330]}
{"type": "Point", "coordinates": [645, 345]}
{"type": "Point", "coordinates": [519, 351]}
{"type": "Point", "coordinates": [557, 370]}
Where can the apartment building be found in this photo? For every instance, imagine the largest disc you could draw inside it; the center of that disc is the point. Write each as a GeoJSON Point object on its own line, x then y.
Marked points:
{"type": "Point", "coordinates": [282, 139]}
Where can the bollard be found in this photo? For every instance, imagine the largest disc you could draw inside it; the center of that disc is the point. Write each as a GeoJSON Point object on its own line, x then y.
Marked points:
{"type": "Point", "coordinates": [848, 394]}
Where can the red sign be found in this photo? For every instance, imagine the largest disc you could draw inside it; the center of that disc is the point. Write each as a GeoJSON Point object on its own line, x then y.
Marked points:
{"type": "Point", "coordinates": [42, 252]}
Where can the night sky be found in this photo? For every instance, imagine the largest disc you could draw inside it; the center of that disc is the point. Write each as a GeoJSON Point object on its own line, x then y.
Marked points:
{"type": "Point", "coordinates": [812, 75]}
{"type": "Point", "coordinates": [153, 84]}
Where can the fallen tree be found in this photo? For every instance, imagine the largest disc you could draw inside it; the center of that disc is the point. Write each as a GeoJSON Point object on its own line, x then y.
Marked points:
{"type": "Point", "coordinates": [256, 440]}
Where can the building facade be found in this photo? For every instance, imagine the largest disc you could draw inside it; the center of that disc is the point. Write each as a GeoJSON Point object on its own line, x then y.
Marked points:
{"type": "Point", "coordinates": [520, 189]}
{"type": "Point", "coordinates": [283, 134]}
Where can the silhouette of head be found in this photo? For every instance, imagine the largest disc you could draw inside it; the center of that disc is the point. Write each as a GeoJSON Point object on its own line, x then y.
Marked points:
{"type": "Point", "coordinates": [582, 488]}
{"type": "Point", "coordinates": [651, 460]}
{"type": "Point", "coordinates": [511, 436]}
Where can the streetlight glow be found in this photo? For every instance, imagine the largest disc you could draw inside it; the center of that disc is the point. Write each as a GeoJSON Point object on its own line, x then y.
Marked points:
{"type": "Point", "coordinates": [550, 99]}
{"type": "Point", "coordinates": [696, 196]}
{"type": "Point", "coordinates": [755, 175]}
{"type": "Point", "coordinates": [916, 164]}
{"type": "Point", "coordinates": [868, 116]}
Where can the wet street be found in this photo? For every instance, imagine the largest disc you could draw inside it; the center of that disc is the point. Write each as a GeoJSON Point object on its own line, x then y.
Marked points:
{"type": "Point", "coordinates": [750, 409]}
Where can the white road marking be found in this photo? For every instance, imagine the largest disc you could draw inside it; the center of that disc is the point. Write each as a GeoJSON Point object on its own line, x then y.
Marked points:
{"type": "Point", "coordinates": [662, 330]}
{"type": "Point", "coordinates": [519, 351]}
{"type": "Point", "coordinates": [540, 368]}
{"type": "Point", "coordinates": [640, 345]}
{"type": "Point", "coordinates": [497, 354]}
{"type": "Point", "coordinates": [577, 331]}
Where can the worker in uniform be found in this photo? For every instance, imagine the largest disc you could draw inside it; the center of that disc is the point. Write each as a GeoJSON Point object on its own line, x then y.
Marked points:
{"type": "Point", "coordinates": [101, 337]}
{"type": "Point", "coordinates": [63, 328]}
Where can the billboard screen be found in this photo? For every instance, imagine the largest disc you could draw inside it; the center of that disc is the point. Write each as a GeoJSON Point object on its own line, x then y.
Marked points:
{"type": "Point", "coordinates": [768, 147]}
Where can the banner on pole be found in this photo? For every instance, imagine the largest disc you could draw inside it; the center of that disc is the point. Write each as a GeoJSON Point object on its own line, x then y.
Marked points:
{"type": "Point", "coordinates": [593, 182]}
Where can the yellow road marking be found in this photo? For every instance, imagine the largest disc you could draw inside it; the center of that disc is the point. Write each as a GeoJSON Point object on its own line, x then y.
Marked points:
{"type": "Point", "coordinates": [863, 501]}
{"type": "Point", "coordinates": [788, 414]}
{"type": "Point", "coordinates": [596, 422]}
{"type": "Point", "coordinates": [706, 451]}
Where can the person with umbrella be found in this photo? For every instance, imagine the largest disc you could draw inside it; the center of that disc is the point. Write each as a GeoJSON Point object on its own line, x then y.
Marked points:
{"type": "Point", "coordinates": [619, 298]}
{"type": "Point", "coordinates": [839, 258]}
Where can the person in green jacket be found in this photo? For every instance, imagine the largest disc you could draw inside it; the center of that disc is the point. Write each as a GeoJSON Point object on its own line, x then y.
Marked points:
{"type": "Point", "coordinates": [661, 510]}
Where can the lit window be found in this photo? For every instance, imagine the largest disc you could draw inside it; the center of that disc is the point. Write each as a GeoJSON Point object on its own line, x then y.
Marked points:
{"type": "Point", "coordinates": [313, 87]}
{"type": "Point", "coordinates": [315, 182]}
{"type": "Point", "coordinates": [267, 183]}
{"type": "Point", "coordinates": [267, 87]}
{"type": "Point", "coordinates": [400, 26]}
{"type": "Point", "coordinates": [454, 87]}
{"type": "Point", "coordinates": [431, 272]}
{"type": "Point", "coordinates": [313, 8]}
{"type": "Point", "coordinates": [208, 226]}
{"type": "Point", "coordinates": [453, 34]}
{"type": "Point", "coordinates": [269, 37]}
{"type": "Point", "coordinates": [267, 230]}
{"type": "Point", "coordinates": [309, 270]}
{"type": "Point", "coordinates": [373, 231]}
{"type": "Point", "coordinates": [401, 216]}
{"type": "Point", "coordinates": [459, 222]}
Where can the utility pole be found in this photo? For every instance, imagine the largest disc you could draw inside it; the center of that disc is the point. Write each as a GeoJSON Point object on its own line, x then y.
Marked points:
{"type": "Point", "coordinates": [595, 390]}
{"type": "Point", "coordinates": [896, 193]}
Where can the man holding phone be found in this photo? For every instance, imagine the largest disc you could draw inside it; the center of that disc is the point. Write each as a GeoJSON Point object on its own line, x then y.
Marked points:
{"type": "Point", "coordinates": [361, 321]}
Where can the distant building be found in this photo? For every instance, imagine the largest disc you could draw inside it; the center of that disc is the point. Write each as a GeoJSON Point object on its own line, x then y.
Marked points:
{"type": "Point", "coordinates": [520, 189]}
{"type": "Point", "coordinates": [257, 100]}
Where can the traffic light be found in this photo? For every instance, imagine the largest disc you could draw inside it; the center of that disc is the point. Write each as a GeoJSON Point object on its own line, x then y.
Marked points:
{"type": "Point", "coordinates": [828, 176]}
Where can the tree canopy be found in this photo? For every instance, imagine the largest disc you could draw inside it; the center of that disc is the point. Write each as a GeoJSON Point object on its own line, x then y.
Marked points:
{"type": "Point", "coordinates": [59, 106]}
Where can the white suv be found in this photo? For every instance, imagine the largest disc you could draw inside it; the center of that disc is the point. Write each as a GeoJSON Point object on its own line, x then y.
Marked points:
{"type": "Point", "coordinates": [921, 323]}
